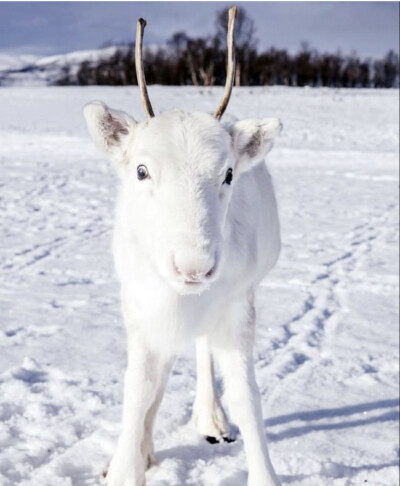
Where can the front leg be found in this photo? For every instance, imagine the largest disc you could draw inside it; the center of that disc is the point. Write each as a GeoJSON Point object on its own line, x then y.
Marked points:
{"type": "Point", "coordinates": [147, 443]}
{"type": "Point", "coordinates": [208, 414]}
{"type": "Point", "coordinates": [234, 351]}
{"type": "Point", "coordinates": [144, 375]}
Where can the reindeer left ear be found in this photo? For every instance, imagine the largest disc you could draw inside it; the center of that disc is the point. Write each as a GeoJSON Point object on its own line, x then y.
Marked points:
{"type": "Point", "coordinates": [252, 140]}
{"type": "Point", "coordinates": [110, 129]}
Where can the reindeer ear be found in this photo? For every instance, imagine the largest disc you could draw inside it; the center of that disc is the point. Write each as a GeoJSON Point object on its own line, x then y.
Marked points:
{"type": "Point", "coordinates": [252, 140]}
{"type": "Point", "coordinates": [110, 130]}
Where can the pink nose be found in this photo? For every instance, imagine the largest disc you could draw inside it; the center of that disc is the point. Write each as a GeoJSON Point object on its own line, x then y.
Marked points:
{"type": "Point", "coordinates": [194, 269]}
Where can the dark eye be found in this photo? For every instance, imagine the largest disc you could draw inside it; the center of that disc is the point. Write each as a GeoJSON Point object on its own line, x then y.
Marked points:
{"type": "Point", "coordinates": [228, 177]}
{"type": "Point", "coordinates": [142, 172]}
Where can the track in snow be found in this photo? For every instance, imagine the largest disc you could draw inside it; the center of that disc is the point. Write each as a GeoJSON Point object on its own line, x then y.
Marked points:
{"type": "Point", "coordinates": [326, 354]}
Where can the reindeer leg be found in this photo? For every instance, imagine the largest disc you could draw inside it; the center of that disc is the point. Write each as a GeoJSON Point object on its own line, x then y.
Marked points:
{"type": "Point", "coordinates": [144, 375]}
{"type": "Point", "coordinates": [235, 355]}
{"type": "Point", "coordinates": [208, 414]}
{"type": "Point", "coordinates": [147, 443]}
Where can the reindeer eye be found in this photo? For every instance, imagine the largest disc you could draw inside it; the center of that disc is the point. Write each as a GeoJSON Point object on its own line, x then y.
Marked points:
{"type": "Point", "coordinates": [228, 177]}
{"type": "Point", "coordinates": [141, 172]}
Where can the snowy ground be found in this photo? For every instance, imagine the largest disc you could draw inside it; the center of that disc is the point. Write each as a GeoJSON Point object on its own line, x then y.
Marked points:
{"type": "Point", "coordinates": [327, 349]}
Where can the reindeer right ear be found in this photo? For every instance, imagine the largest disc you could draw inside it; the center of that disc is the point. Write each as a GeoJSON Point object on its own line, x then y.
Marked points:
{"type": "Point", "coordinates": [110, 130]}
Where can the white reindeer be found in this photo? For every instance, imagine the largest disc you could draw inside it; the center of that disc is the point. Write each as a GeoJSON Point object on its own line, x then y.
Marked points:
{"type": "Point", "coordinates": [196, 230]}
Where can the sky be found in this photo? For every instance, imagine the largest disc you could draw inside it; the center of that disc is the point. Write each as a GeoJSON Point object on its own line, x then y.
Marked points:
{"type": "Point", "coordinates": [44, 28]}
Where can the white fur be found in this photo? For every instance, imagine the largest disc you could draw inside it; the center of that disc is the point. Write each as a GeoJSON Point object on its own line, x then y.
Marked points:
{"type": "Point", "coordinates": [175, 227]}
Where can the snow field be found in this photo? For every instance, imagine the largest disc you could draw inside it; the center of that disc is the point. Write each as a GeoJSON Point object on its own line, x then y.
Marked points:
{"type": "Point", "coordinates": [327, 343]}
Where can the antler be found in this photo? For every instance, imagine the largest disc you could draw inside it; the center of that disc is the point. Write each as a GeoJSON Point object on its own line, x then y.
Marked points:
{"type": "Point", "coordinates": [141, 24]}
{"type": "Point", "coordinates": [230, 77]}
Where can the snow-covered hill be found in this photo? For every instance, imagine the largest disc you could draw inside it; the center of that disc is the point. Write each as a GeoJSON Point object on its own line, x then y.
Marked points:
{"type": "Point", "coordinates": [27, 70]}
{"type": "Point", "coordinates": [12, 62]}
{"type": "Point", "coordinates": [327, 343]}
{"type": "Point", "coordinates": [43, 71]}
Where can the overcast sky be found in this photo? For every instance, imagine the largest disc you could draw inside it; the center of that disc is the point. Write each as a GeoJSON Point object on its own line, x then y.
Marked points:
{"type": "Point", "coordinates": [41, 28]}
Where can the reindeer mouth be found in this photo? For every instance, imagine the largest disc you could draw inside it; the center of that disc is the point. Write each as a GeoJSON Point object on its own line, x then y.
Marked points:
{"type": "Point", "coordinates": [189, 287]}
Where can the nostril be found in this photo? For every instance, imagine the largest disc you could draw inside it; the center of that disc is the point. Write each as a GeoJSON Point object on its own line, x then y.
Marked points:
{"type": "Point", "coordinates": [175, 267]}
{"type": "Point", "coordinates": [210, 272]}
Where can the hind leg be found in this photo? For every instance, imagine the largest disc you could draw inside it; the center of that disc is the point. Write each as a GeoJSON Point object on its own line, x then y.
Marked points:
{"type": "Point", "coordinates": [208, 414]}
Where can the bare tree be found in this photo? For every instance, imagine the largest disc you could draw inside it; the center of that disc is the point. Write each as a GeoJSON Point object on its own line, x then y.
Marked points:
{"type": "Point", "coordinates": [245, 40]}
{"type": "Point", "coordinates": [200, 60]}
{"type": "Point", "coordinates": [178, 42]}
{"type": "Point", "coordinates": [305, 63]}
{"type": "Point", "coordinates": [391, 70]}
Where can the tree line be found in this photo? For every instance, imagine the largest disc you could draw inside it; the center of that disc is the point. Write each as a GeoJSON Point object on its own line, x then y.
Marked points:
{"type": "Point", "coordinates": [202, 62]}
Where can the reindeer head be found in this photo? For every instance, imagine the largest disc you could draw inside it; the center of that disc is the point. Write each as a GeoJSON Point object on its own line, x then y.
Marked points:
{"type": "Point", "coordinates": [178, 171]}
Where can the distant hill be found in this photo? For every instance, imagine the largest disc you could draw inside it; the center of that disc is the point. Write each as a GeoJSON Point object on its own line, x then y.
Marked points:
{"type": "Point", "coordinates": [25, 70]}
{"type": "Point", "coordinates": [200, 62]}
{"type": "Point", "coordinates": [11, 61]}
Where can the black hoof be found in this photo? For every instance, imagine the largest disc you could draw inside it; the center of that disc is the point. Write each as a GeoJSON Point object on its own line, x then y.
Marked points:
{"type": "Point", "coordinates": [214, 440]}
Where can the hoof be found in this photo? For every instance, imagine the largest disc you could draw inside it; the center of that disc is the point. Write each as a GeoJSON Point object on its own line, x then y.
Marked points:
{"type": "Point", "coordinates": [212, 440]}
{"type": "Point", "coordinates": [215, 440]}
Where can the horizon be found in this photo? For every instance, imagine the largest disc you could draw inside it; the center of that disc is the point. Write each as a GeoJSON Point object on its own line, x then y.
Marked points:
{"type": "Point", "coordinates": [56, 28]}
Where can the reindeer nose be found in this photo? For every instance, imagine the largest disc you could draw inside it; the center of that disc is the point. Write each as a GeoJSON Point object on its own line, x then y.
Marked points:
{"type": "Point", "coordinates": [194, 270]}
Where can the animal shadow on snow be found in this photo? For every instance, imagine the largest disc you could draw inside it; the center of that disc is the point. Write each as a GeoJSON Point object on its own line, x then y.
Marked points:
{"type": "Point", "coordinates": [188, 456]}
{"type": "Point", "coordinates": [334, 470]}
{"type": "Point", "coordinates": [331, 413]}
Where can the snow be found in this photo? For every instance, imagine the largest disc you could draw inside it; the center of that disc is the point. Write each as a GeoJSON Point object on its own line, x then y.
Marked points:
{"type": "Point", "coordinates": [26, 70]}
{"type": "Point", "coordinates": [33, 71]}
{"type": "Point", "coordinates": [77, 57]}
{"type": "Point", "coordinates": [327, 343]}
{"type": "Point", "coordinates": [14, 61]}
